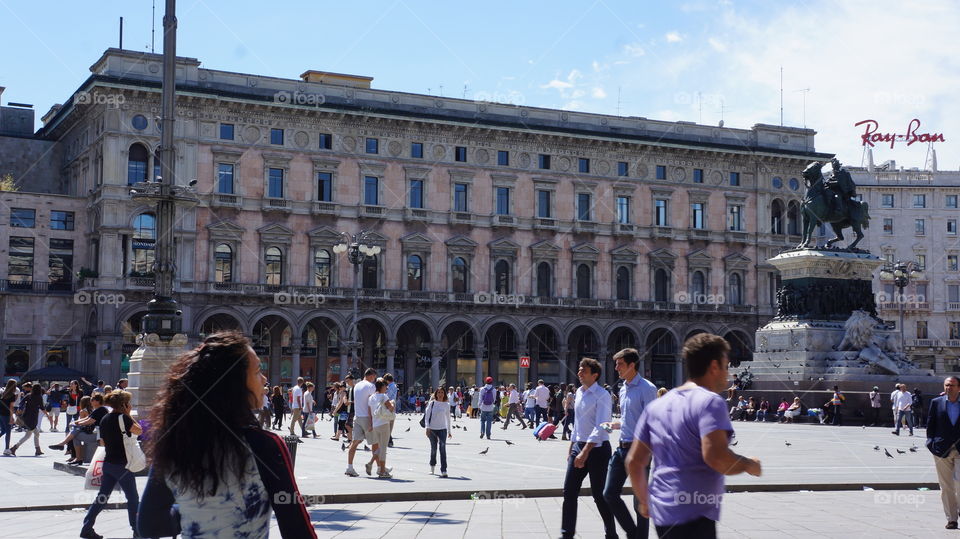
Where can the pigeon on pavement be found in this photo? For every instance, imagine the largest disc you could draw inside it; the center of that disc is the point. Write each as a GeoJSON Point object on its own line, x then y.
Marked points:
{"type": "Point", "coordinates": [343, 447]}
{"type": "Point", "coordinates": [902, 452]}
{"type": "Point", "coordinates": [876, 448]}
{"type": "Point", "coordinates": [887, 453]}
{"type": "Point", "coordinates": [408, 429]}
{"type": "Point", "coordinates": [913, 449]}
{"type": "Point", "coordinates": [508, 442]}
{"type": "Point", "coordinates": [484, 452]}
{"type": "Point", "coordinates": [788, 444]}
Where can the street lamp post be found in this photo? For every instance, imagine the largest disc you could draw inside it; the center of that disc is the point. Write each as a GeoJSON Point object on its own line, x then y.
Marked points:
{"type": "Point", "coordinates": [901, 273]}
{"type": "Point", "coordinates": [357, 253]}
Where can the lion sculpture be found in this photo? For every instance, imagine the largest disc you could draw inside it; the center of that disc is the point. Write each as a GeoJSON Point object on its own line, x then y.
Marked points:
{"type": "Point", "coordinates": [874, 349]}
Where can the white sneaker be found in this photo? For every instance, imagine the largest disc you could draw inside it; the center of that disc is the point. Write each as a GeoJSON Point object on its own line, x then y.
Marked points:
{"type": "Point", "coordinates": [7, 453]}
{"type": "Point", "coordinates": [432, 468]}
{"type": "Point", "coordinates": [351, 472]}
{"type": "Point", "coordinates": [443, 474]}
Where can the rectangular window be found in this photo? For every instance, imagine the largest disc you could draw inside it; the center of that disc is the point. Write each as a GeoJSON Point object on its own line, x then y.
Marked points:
{"type": "Point", "coordinates": [416, 150]}
{"type": "Point", "coordinates": [623, 210]}
{"type": "Point", "coordinates": [460, 197]}
{"type": "Point", "coordinates": [921, 293]}
{"type": "Point", "coordinates": [922, 329]}
{"type": "Point", "coordinates": [661, 172]}
{"type": "Point", "coordinates": [584, 165]}
{"type": "Point", "coordinates": [951, 226]}
{"type": "Point", "coordinates": [543, 203]}
{"type": "Point", "coordinates": [23, 217]}
{"type": "Point", "coordinates": [919, 227]}
{"type": "Point", "coordinates": [371, 190]}
{"type": "Point", "coordinates": [698, 175]}
{"type": "Point", "coordinates": [275, 183]}
{"type": "Point", "coordinates": [20, 265]}
{"type": "Point", "coordinates": [696, 213]}
{"type": "Point", "coordinates": [543, 162]}
{"type": "Point", "coordinates": [225, 178]}
{"type": "Point", "coordinates": [886, 200]}
{"type": "Point", "coordinates": [226, 131]}
{"type": "Point", "coordinates": [952, 201]}
{"type": "Point", "coordinates": [953, 293]}
{"type": "Point", "coordinates": [623, 168]}
{"type": "Point", "coordinates": [583, 206]}
{"type": "Point", "coordinates": [919, 201]}
{"type": "Point", "coordinates": [326, 141]}
{"type": "Point", "coordinates": [61, 220]}
{"type": "Point", "coordinates": [503, 201]}
{"type": "Point", "coordinates": [372, 145]}
{"type": "Point", "coordinates": [954, 330]}
{"type": "Point", "coordinates": [460, 154]}
{"type": "Point", "coordinates": [952, 263]}
{"type": "Point", "coordinates": [921, 262]}
{"type": "Point", "coordinates": [503, 158]}
{"type": "Point", "coordinates": [888, 225]}
{"type": "Point", "coordinates": [416, 194]}
{"type": "Point", "coordinates": [736, 218]}
{"type": "Point", "coordinates": [60, 262]}
{"type": "Point", "coordinates": [660, 212]}
{"type": "Point", "coordinates": [735, 179]}
{"type": "Point", "coordinates": [276, 136]}
{"type": "Point", "coordinates": [325, 186]}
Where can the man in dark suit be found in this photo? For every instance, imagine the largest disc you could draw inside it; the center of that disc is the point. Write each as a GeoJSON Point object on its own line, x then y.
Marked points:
{"type": "Point", "coordinates": [943, 433]}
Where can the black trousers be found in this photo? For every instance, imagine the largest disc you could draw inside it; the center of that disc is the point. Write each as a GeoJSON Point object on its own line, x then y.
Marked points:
{"type": "Point", "coordinates": [702, 528]}
{"type": "Point", "coordinates": [596, 468]}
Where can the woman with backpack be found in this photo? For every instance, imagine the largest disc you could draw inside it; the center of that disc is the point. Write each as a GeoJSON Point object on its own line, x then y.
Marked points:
{"type": "Point", "coordinates": [437, 425]}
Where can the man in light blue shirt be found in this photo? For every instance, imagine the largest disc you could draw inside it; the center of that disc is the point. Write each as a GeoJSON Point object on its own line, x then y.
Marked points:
{"type": "Point", "coordinates": [635, 393]}
{"type": "Point", "coordinates": [589, 449]}
{"type": "Point", "coordinates": [392, 395]}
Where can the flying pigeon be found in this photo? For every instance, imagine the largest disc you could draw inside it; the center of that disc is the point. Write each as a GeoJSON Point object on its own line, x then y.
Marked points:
{"type": "Point", "coordinates": [508, 442]}
{"type": "Point", "coordinates": [887, 453]}
{"type": "Point", "coordinates": [788, 444]}
{"type": "Point", "coordinates": [484, 452]}
{"type": "Point", "coordinates": [408, 429]}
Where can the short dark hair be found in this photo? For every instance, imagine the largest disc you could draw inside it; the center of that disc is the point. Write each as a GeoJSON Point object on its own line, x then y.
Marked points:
{"type": "Point", "coordinates": [592, 364]}
{"type": "Point", "coordinates": [701, 350]}
{"type": "Point", "coordinates": [955, 378]}
{"type": "Point", "coordinates": [379, 383]}
{"type": "Point", "coordinates": [370, 372]}
{"type": "Point", "coordinates": [628, 355]}
{"type": "Point", "coordinates": [388, 377]}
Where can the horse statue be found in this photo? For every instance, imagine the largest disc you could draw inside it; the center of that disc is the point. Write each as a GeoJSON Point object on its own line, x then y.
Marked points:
{"type": "Point", "coordinates": [829, 200]}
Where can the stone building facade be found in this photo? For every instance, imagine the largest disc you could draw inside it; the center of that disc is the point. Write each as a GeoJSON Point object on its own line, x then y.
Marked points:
{"type": "Point", "coordinates": [506, 232]}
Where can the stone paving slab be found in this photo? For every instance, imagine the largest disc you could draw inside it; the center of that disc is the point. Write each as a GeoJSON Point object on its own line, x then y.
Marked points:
{"type": "Point", "coordinates": [848, 515]}
{"type": "Point", "coordinates": [819, 456]}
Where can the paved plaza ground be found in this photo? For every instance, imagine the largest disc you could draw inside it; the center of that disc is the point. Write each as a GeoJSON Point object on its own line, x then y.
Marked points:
{"type": "Point", "coordinates": [520, 484]}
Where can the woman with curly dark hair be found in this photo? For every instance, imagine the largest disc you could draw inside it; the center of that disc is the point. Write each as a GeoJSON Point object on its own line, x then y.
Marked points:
{"type": "Point", "coordinates": [211, 457]}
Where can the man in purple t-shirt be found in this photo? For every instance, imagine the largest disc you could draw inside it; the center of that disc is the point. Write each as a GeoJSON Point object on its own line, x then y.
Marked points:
{"type": "Point", "coordinates": [687, 433]}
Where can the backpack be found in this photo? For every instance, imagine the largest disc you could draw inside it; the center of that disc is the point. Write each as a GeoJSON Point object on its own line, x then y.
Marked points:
{"type": "Point", "coordinates": [486, 397]}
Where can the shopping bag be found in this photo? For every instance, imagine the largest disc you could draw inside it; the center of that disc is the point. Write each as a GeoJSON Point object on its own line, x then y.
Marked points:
{"type": "Point", "coordinates": [94, 475]}
{"type": "Point", "coordinates": [136, 460]}
{"type": "Point", "coordinates": [311, 421]}
{"type": "Point", "coordinates": [469, 410]}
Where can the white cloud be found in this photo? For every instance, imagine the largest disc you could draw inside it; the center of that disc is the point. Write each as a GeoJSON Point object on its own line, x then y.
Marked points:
{"type": "Point", "coordinates": [577, 94]}
{"type": "Point", "coordinates": [633, 50]}
{"type": "Point", "coordinates": [717, 45]}
{"type": "Point", "coordinates": [598, 93]}
{"type": "Point", "coordinates": [557, 84]}
{"type": "Point", "coordinates": [674, 37]}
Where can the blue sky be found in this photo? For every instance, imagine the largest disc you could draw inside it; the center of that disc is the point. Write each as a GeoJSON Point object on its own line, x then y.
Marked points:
{"type": "Point", "coordinates": [887, 61]}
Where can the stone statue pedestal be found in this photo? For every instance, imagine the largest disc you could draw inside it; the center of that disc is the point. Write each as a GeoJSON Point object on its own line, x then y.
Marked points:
{"type": "Point", "coordinates": [149, 366]}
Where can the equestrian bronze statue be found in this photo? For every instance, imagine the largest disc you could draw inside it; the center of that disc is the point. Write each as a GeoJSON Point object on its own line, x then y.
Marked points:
{"type": "Point", "coordinates": [830, 200]}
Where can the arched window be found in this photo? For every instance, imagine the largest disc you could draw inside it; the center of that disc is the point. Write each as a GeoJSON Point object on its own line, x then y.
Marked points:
{"type": "Point", "coordinates": [321, 268]}
{"type": "Point", "coordinates": [156, 165]}
{"type": "Point", "coordinates": [502, 277]}
{"type": "Point", "coordinates": [414, 272]}
{"type": "Point", "coordinates": [698, 287]}
{"type": "Point", "coordinates": [623, 283]}
{"type": "Point", "coordinates": [137, 164]}
{"type": "Point", "coordinates": [144, 243]}
{"type": "Point", "coordinates": [735, 289]}
{"type": "Point", "coordinates": [776, 217]}
{"type": "Point", "coordinates": [459, 275]}
{"type": "Point", "coordinates": [274, 266]}
{"type": "Point", "coordinates": [793, 218]}
{"type": "Point", "coordinates": [544, 280]}
{"type": "Point", "coordinates": [223, 256]}
{"type": "Point", "coordinates": [661, 285]}
{"type": "Point", "coordinates": [370, 272]}
{"type": "Point", "coordinates": [583, 281]}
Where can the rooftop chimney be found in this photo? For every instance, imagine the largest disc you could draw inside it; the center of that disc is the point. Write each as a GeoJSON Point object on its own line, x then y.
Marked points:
{"type": "Point", "coordinates": [336, 79]}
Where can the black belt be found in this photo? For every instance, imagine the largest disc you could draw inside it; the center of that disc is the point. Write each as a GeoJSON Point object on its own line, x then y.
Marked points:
{"type": "Point", "coordinates": [625, 445]}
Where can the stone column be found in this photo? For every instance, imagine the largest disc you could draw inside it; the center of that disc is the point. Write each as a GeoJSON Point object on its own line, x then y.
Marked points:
{"type": "Point", "coordinates": [391, 353]}
{"type": "Point", "coordinates": [344, 367]}
{"type": "Point", "coordinates": [435, 354]}
{"type": "Point", "coordinates": [409, 366]}
{"type": "Point", "coordinates": [678, 372]}
{"type": "Point", "coordinates": [563, 355]}
{"type": "Point", "coordinates": [295, 367]}
{"type": "Point", "coordinates": [149, 365]}
{"type": "Point", "coordinates": [607, 367]}
{"type": "Point", "coordinates": [521, 372]}
{"type": "Point", "coordinates": [478, 351]}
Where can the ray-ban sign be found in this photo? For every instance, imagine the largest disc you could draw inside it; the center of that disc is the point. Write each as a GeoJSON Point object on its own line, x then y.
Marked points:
{"type": "Point", "coordinates": [871, 135]}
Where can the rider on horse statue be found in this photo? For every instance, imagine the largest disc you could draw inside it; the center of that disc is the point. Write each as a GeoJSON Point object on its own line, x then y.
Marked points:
{"type": "Point", "coordinates": [829, 199]}
{"type": "Point", "coordinates": [837, 179]}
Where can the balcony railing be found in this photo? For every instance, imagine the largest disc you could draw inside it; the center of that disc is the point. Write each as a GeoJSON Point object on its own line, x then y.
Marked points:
{"type": "Point", "coordinates": [923, 343]}
{"type": "Point", "coordinates": [736, 236]}
{"type": "Point", "coordinates": [585, 226]}
{"type": "Point", "coordinates": [699, 234]}
{"type": "Point", "coordinates": [624, 229]}
{"type": "Point", "coordinates": [225, 199]}
{"type": "Point", "coordinates": [276, 204]}
{"type": "Point", "coordinates": [320, 207]}
{"type": "Point", "coordinates": [658, 231]}
{"type": "Point", "coordinates": [953, 306]}
{"type": "Point", "coordinates": [953, 343]}
{"type": "Point", "coordinates": [371, 211]}
{"type": "Point", "coordinates": [503, 220]}
{"type": "Point", "coordinates": [461, 218]}
{"type": "Point", "coordinates": [416, 214]}
{"type": "Point", "coordinates": [14, 286]}
{"type": "Point", "coordinates": [545, 223]}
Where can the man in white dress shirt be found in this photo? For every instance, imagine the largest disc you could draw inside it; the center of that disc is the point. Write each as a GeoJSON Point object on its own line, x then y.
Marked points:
{"type": "Point", "coordinates": [589, 449]}
{"type": "Point", "coordinates": [542, 393]}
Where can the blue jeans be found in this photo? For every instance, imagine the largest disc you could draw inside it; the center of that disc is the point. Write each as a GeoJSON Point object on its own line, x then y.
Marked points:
{"type": "Point", "coordinates": [438, 438]}
{"type": "Point", "coordinates": [540, 414]}
{"type": "Point", "coordinates": [596, 468]}
{"type": "Point", "coordinates": [568, 423]}
{"type": "Point", "coordinates": [5, 429]}
{"type": "Point", "coordinates": [907, 414]}
{"type": "Point", "coordinates": [616, 477]}
{"type": "Point", "coordinates": [114, 474]}
{"type": "Point", "coordinates": [486, 424]}
{"type": "Point", "coordinates": [528, 414]}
